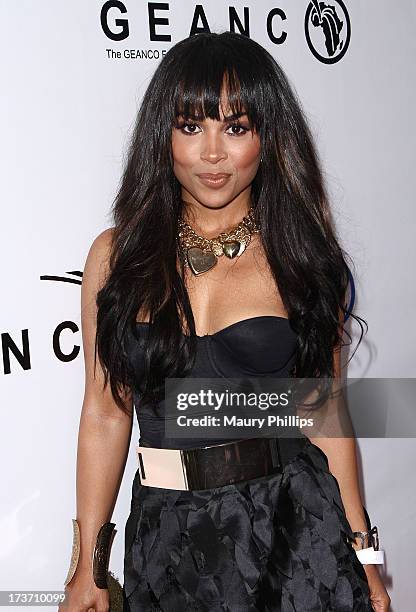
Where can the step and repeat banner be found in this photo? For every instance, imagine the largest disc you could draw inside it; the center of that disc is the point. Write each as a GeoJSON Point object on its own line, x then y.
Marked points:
{"type": "Point", "coordinates": [72, 76]}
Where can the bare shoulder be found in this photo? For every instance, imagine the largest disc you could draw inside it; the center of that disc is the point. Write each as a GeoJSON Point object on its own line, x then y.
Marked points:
{"type": "Point", "coordinates": [97, 262]}
{"type": "Point", "coordinates": [104, 240]}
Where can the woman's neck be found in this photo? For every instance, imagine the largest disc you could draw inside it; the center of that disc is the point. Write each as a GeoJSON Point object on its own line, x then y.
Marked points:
{"type": "Point", "coordinates": [210, 221]}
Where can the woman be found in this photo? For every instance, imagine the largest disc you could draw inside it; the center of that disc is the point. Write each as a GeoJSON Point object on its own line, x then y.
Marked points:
{"type": "Point", "coordinates": [222, 262]}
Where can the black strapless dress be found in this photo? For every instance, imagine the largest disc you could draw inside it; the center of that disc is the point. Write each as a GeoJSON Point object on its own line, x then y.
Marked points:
{"type": "Point", "coordinates": [273, 544]}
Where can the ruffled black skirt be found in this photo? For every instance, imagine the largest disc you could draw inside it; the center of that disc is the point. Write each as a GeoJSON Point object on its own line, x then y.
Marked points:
{"type": "Point", "coordinates": [273, 544]}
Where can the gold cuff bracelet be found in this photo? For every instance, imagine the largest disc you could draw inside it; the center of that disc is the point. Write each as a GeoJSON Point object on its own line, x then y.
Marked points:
{"type": "Point", "coordinates": [100, 557]}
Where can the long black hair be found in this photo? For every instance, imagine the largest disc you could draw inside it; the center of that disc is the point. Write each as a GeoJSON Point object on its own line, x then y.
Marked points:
{"type": "Point", "coordinates": [289, 200]}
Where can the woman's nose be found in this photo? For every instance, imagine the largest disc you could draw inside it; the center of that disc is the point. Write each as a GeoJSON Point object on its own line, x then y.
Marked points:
{"type": "Point", "coordinates": [212, 149]}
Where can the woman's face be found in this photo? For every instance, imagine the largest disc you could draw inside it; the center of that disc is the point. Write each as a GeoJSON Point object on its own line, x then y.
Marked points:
{"type": "Point", "coordinates": [215, 161]}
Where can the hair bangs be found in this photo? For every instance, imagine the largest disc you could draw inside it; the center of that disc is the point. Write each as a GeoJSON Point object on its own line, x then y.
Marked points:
{"type": "Point", "coordinates": [221, 86]}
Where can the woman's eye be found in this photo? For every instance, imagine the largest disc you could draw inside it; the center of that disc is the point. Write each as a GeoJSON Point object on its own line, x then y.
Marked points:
{"type": "Point", "coordinates": [189, 128]}
{"type": "Point", "coordinates": [237, 129]}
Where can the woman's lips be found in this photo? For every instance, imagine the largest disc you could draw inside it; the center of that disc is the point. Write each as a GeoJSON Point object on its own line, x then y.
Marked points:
{"type": "Point", "coordinates": [214, 180]}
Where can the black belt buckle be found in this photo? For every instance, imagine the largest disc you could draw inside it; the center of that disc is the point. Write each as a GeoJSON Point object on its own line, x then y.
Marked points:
{"type": "Point", "coordinates": [219, 465]}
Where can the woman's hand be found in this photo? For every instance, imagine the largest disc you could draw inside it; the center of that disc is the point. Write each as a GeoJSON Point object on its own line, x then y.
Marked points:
{"type": "Point", "coordinates": [81, 595]}
{"type": "Point", "coordinates": [379, 597]}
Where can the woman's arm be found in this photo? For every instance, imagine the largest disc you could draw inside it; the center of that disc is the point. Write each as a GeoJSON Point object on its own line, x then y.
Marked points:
{"type": "Point", "coordinates": [104, 435]}
{"type": "Point", "coordinates": [342, 460]}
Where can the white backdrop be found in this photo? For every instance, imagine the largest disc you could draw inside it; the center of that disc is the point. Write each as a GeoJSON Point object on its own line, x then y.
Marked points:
{"type": "Point", "coordinates": [66, 112]}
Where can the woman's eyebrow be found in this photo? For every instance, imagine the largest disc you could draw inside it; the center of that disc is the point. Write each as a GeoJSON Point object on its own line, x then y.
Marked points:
{"type": "Point", "coordinates": [234, 116]}
{"type": "Point", "coordinates": [227, 118]}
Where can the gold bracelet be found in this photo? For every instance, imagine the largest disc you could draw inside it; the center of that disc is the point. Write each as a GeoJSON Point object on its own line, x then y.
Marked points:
{"type": "Point", "coordinates": [100, 557]}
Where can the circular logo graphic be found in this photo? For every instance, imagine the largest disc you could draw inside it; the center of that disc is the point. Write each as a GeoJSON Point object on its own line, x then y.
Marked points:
{"type": "Point", "coordinates": [327, 30]}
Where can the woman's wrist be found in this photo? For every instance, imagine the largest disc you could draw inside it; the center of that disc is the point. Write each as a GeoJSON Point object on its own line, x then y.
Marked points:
{"type": "Point", "coordinates": [366, 543]}
{"type": "Point", "coordinates": [91, 563]}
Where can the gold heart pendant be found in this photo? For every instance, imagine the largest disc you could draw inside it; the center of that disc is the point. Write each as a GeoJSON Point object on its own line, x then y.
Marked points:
{"type": "Point", "coordinates": [231, 248]}
{"type": "Point", "coordinates": [199, 261]}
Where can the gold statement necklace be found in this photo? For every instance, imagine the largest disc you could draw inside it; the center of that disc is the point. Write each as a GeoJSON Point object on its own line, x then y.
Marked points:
{"type": "Point", "coordinates": [201, 254]}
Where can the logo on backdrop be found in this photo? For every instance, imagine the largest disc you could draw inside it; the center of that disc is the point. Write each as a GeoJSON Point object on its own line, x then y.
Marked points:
{"type": "Point", "coordinates": [327, 30]}
{"type": "Point", "coordinates": [327, 27]}
{"type": "Point", "coordinates": [16, 352]}
{"type": "Point", "coordinates": [74, 277]}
